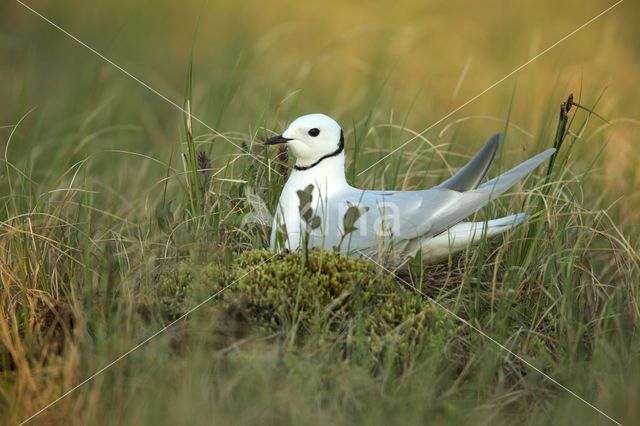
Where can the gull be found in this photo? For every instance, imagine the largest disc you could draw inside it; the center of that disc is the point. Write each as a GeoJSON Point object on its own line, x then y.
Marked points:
{"type": "Point", "coordinates": [396, 222]}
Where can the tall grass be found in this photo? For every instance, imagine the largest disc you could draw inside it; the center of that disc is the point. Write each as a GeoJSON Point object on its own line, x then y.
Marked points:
{"type": "Point", "coordinates": [96, 203]}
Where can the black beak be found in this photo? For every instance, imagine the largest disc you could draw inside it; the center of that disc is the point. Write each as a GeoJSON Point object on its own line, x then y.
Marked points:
{"type": "Point", "coordinates": [276, 140]}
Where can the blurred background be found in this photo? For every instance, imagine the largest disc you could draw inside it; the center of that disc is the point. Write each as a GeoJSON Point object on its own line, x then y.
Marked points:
{"type": "Point", "coordinates": [260, 64]}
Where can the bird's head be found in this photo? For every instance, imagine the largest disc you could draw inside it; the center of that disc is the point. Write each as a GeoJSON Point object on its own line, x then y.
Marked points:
{"type": "Point", "coordinates": [311, 138]}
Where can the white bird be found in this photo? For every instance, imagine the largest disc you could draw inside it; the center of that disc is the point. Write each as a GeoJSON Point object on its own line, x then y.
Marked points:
{"type": "Point", "coordinates": [401, 222]}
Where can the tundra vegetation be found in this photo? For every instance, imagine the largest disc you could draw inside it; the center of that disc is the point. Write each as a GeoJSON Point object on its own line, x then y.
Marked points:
{"type": "Point", "coordinates": [131, 231]}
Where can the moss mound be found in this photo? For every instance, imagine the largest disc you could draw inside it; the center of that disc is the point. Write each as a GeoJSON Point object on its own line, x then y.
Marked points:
{"type": "Point", "coordinates": [344, 300]}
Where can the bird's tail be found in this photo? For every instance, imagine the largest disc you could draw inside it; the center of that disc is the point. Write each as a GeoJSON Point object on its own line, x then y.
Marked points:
{"type": "Point", "coordinates": [460, 236]}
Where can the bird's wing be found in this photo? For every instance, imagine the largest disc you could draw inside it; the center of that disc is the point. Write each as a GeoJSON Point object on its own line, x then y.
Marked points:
{"type": "Point", "coordinates": [406, 215]}
{"type": "Point", "coordinates": [400, 216]}
{"type": "Point", "coordinates": [387, 213]}
{"type": "Point", "coordinates": [470, 176]}
{"type": "Point", "coordinates": [466, 203]}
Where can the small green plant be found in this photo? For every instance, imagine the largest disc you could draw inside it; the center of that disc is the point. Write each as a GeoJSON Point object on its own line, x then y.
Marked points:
{"type": "Point", "coordinates": [310, 221]}
{"type": "Point", "coordinates": [349, 219]}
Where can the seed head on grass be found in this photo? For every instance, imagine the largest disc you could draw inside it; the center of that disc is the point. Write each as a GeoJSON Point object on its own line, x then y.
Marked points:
{"type": "Point", "coordinates": [283, 159]}
{"type": "Point", "coordinates": [204, 167]}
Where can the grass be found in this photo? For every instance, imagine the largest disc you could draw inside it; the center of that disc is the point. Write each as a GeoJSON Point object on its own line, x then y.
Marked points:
{"type": "Point", "coordinates": [108, 235]}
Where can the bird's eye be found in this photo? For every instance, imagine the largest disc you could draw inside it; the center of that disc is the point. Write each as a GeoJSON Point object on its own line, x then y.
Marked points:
{"type": "Point", "coordinates": [314, 132]}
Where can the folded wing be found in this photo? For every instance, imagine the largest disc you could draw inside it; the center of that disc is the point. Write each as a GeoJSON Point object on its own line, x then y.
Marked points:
{"type": "Point", "coordinates": [470, 176]}
{"type": "Point", "coordinates": [406, 215]}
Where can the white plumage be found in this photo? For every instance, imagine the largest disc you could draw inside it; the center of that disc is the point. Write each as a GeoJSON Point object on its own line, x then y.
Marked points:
{"type": "Point", "coordinates": [401, 222]}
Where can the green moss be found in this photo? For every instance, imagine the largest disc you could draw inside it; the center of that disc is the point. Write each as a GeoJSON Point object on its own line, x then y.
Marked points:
{"type": "Point", "coordinates": [171, 289]}
{"type": "Point", "coordinates": [348, 301]}
{"type": "Point", "coordinates": [336, 296]}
